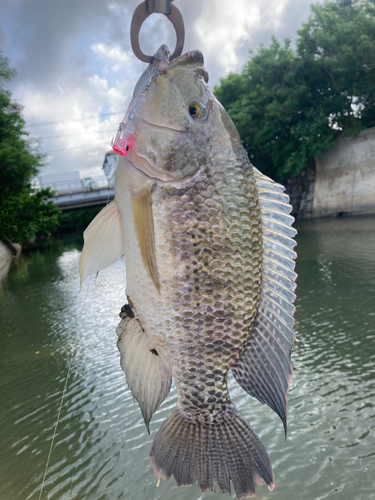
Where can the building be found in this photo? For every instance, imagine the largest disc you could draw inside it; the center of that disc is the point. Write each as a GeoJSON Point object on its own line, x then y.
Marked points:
{"type": "Point", "coordinates": [110, 165]}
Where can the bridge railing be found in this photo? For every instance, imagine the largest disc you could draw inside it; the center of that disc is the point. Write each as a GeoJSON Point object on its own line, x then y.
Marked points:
{"type": "Point", "coordinates": [81, 185]}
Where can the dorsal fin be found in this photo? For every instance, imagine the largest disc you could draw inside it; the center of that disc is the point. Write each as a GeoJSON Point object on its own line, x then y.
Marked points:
{"type": "Point", "coordinates": [104, 242]}
{"type": "Point", "coordinates": [264, 368]}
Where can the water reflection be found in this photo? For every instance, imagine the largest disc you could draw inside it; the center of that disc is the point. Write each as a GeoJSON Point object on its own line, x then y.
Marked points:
{"type": "Point", "coordinates": [101, 448]}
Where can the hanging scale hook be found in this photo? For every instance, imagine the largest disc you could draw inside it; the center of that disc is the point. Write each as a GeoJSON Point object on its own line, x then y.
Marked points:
{"type": "Point", "coordinates": [143, 11]}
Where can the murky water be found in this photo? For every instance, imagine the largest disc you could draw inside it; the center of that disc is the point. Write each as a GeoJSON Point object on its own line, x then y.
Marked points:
{"type": "Point", "coordinates": [101, 447]}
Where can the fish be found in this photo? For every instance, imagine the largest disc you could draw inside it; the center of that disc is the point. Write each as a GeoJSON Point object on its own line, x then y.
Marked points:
{"type": "Point", "coordinates": [209, 255]}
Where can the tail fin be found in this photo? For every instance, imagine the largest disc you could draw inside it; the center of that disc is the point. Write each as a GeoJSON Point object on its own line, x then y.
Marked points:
{"type": "Point", "coordinates": [211, 450]}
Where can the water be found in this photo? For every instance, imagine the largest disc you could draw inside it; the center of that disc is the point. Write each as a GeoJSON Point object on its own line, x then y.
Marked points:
{"type": "Point", "coordinates": [101, 448]}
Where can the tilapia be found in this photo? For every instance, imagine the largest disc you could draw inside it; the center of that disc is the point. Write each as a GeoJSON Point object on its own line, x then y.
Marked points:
{"type": "Point", "coordinates": [210, 280]}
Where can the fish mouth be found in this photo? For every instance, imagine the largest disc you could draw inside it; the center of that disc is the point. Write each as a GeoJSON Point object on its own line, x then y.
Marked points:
{"type": "Point", "coordinates": [161, 63]}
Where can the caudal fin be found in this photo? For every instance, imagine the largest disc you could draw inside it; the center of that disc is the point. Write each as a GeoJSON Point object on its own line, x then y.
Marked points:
{"type": "Point", "coordinates": [211, 450]}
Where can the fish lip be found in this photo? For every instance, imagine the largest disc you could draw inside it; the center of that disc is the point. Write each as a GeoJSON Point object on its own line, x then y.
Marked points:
{"type": "Point", "coordinates": [159, 64]}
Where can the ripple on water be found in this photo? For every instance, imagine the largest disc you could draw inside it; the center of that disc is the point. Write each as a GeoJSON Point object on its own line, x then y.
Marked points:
{"type": "Point", "coordinates": [101, 447]}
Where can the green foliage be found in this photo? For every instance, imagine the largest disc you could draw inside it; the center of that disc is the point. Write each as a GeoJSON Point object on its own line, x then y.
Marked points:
{"type": "Point", "coordinates": [289, 106]}
{"type": "Point", "coordinates": [77, 220]}
{"type": "Point", "coordinates": [338, 45]}
{"type": "Point", "coordinates": [27, 214]}
{"type": "Point", "coordinates": [24, 212]}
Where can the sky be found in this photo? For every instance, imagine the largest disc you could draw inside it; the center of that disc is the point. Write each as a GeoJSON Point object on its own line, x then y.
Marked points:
{"type": "Point", "coordinates": [76, 70]}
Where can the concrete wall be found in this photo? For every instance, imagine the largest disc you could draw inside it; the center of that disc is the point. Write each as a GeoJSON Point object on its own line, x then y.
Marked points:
{"type": "Point", "coordinates": [6, 258]}
{"type": "Point", "coordinates": [345, 177]}
{"type": "Point", "coordinates": [300, 189]}
{"type": "Point", "coordinates": [7, 253]}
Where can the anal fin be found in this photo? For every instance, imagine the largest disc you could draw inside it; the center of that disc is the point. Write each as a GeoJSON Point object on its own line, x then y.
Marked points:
{"type": "Point", "coordinates": [147, 376]}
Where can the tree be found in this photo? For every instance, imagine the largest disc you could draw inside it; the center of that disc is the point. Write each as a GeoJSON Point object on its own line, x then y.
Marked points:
{"type": "Point", "coordinates": [338, 44]}
{"type": "Point", "coordinates": [24, 211]}
{"type": "Point", "coordinates": [76, 221]}
{"type": "Point", "coordinates": [289, 106]}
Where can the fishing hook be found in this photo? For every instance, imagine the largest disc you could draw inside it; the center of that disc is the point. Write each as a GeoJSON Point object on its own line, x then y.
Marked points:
{"type": "Point", "coordinates": [143, 11]}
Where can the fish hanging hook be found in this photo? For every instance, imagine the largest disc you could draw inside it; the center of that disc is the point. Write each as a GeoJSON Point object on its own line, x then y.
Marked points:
{"type": "Point", "coordinates": [143, 11]}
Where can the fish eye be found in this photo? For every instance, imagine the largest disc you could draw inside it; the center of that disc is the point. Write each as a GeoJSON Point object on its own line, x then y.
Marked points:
{"type": "Point", "coordinates": [196, 110]}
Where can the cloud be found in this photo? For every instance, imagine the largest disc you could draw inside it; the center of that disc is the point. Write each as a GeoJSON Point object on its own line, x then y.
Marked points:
{"type": "Point", "coordinates": [76, 69]}
{"type": "Point", "coordinates": [118, 58]}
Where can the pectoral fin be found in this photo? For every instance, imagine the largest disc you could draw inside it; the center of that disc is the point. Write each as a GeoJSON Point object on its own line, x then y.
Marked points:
{"type": "Point", "coordinates": [144, 228]}
{"type": "Point", "coordinates": [147, 376]}
{"type": "Point", "coordinates": [104, 242]}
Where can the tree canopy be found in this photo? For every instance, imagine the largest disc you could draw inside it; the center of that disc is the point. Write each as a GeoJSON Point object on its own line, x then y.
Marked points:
{"type": "Point", "coordinates": [289, 105]}
{"type": "Point", "coordinates": [24, 211]}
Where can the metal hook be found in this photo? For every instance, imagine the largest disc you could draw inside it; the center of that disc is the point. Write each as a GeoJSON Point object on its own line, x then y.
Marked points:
{"type": "Point", "coordinates": [143, 11]}
{"type": "Point", "coordinates": [159, 6]}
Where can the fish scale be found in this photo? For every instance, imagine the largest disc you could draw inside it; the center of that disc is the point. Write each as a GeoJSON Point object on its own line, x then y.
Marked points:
{"type": "Point", "coordinates": [208, 248]}
{"type": "Point", "coordinates": [224, 318]}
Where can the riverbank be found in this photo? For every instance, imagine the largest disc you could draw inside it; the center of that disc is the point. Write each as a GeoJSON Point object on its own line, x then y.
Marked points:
{"type": "Point", "coordinates": [340, 183]}
{"type": "Point", "coordinates": [71, 228]}
{"type": "Point", "coordinates": [8, 252]}
{"type": "Point", "coordinates": [10, 258]}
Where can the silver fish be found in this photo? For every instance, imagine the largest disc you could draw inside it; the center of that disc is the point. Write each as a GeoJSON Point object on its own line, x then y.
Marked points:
{"type": "Point", "coordinates": [209, 257]}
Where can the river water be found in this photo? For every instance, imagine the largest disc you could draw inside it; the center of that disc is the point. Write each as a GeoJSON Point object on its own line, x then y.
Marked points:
{"type": "Point", "coordinates": [101, 447]}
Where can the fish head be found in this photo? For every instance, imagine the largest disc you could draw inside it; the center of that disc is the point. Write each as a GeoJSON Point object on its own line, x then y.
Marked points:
{"type": "Point", "coordinates": [168, 127]}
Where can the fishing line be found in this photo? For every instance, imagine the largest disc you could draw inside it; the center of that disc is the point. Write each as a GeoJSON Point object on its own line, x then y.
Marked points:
{"type": "Point", "coordinates": [57, 421]}
{"type": "Point", "coordinates": [111, 189]}
{"type": "Point", "coordinates": [73, 135]}
{"type": "Point", "coordinates": [78, 147]}
{"type": "Point", "coordinates": [62, 399]}
{"type": "Point", "coordinates": [42, 124]}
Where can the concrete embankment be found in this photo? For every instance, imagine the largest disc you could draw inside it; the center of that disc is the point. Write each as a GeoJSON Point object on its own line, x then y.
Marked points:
{"type": "Point", "coordinates": [7, 253]}
{"type": "Point", "coordinates": [341, 183]}
{"type": "Point", "coordinates": [345, 177]}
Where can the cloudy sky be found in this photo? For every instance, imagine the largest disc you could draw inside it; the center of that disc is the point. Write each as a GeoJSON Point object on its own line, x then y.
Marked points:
{"type": "Point", "coordinates": [76, 70]}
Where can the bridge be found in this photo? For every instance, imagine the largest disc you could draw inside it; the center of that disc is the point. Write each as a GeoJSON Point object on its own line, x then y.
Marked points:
{"type": "Point", "coordinates": [83, 193]}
